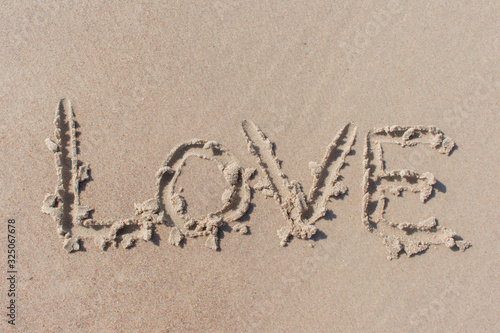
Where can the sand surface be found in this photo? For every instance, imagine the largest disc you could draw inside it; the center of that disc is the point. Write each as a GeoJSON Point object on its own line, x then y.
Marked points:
{"type": "Point", "coordinates": [303, 190]}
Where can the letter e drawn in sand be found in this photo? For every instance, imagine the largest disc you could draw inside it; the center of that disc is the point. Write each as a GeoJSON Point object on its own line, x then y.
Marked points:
{"type": "Point", "coordinates": [378, 183]}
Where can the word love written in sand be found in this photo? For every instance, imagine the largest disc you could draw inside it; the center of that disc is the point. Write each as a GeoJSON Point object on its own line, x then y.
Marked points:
{"type": "Point", "coordinates": [300, 210]}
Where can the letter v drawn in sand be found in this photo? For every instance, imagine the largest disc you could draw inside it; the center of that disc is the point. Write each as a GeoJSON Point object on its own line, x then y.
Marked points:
{"type": "Point", "coordinates": [300, 210]}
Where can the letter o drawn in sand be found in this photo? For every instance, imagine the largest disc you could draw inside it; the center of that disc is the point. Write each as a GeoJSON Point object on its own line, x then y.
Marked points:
{"type": "Point", "coordinates": [235, 199]}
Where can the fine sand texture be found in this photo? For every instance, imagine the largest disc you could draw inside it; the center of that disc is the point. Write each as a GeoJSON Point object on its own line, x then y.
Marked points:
{"type": "Point", "coordinates": [264, 166]}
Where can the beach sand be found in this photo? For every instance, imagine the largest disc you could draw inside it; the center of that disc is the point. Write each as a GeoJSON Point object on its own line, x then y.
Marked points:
{"type": "Point", "coordinates": [144, 78]}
